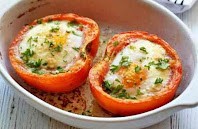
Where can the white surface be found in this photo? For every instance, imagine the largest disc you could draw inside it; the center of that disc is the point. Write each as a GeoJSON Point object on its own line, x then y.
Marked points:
{"type": "Point", "coordinates": [17, 114]}
{"type": "Point", "coordinates": [177, 6]}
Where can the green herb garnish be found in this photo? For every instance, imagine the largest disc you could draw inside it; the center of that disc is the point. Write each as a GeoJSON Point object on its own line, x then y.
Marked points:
{"type": "Point", "coordinates": [37, 71]}
{"type": "Point", "coordinates": [162, 64]}
{"type": "Point", "coordinates": [58, 48]}
{"type": "Point", "coordinates": [83, 55]}
{"type": "Point", "coordinates": [29, 40]}
{"type": "Point", "coordinates": [139, 92]}
{"type": "Point", "coordinates": [72, 23]}
{"type": "Point", "coordinates": [114, 68]}
{"type": "Point", "coordinates": [60, 69]}
{"type": "Point", "coordinates": [125, 61]}
{"type": "Point", "coordinates": [34, 64]}
{"type": "Point", "coordinates": [51, 44]}
{"type": "Point", "coordinates": [158, 81]}
{"type": "Point", "coordinates": [35, 39]}
{"type": "Point", "coordinates": [143, 49]}
{"type": "Point", "coordinates": [74, 33]}
{"type": "Point", "coordinates": [132, 47]}
{"type": "Point", "coordinates": [117, 89]}
{"type": "Point", "coordinates": [124, 95]}
{"type": "Point", "coordinates": [39, 21]}
{"type": "Point", "coordinates": [55, 29]}
{"type": "Point", "coordinates": [56, 22]}
{"type": "Point", "coordinates": [30, 27]}
{"type": "Point", "coordinates": [76, 48]}
{"type": "Point", "coordinates": [27, 54]}
{"type": "Point", "coordinates": [107, 86]}
{"type": "Point", "coordinates": [137, 69]}
{"type": "Point", "coordinates": [115, 43]}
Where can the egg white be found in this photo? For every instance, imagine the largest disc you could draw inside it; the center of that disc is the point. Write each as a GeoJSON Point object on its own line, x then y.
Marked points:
{"type": "Point", "coordinates": [147, 86]}
{"type": "Point", "coordinates": [66, 56]}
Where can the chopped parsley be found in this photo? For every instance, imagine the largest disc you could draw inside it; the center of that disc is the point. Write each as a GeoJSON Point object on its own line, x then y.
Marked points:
{"type": "Point", "coordinates": [37, 71]}
{"type": "Point", "coordinates": [44, 64]}
{"type": "Point", "coordinates": [51, 44]}
{"type": "Point", "coordinates": [55, 29]}
{"type": "Point", "coordinates": [56, 22]}
{"type": "Point", "coordinates": [117, 80]}
{"type": "Point", "coordinates": [58, 48]}
{"type": "Point", "coordinates": [27, 54]}
{"type": "Point", "coordinates": [115, 43]}
{"type": "Point", "coordinates": [137, 69]}
{"type": "Point", "coordinates": [143, 49]}
{"type": "Point", "coordinates": [30, 27]}
{"type": "Point", "coordinates": [35, 39]}
{"type": "Point", "coordinates": [116, 91]}
{"type": "Point", "coordinates": [114, 68]}
{"type": "Point", "coordinates": [132, 47]}
{"type": "Point", "coordinates": [74, 33]}
{"type": "Point", "coordinates": [124, 95]}
{"type": "Point", "coordinates": [72, 23]}
{"type": "Point", "coordinates": [34, 64]}
{"type": "Point", "coordinates": [139, 92]}
{"type": "Point", "coordinates": [162, 64]}
{"type": "Point", "coordinates": [60, 69]}
{"type": "Point", "coordinates": [39, 21]}
{"type": "Point", "coordinates": [125, 61]}
{"type": "Point", "coordinates": [76, 48]}
{"type": "Point", "coordinates": [29, 40]}
{"type": "Point", "coordinates": [83, 55]}
{"type": "Point", "coordinates": [151, 63]}
{"type": "Point", "coordinates": [158, 81]}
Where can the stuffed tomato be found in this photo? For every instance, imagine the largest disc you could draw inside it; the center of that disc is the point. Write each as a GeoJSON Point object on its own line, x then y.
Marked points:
{"type": "Point", "coordinates": [140, 72]}
{"type": "Point", "coordinates": [55, 53]}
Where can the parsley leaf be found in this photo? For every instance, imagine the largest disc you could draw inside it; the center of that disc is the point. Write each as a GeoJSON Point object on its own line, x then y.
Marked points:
{"type": "Point", "coordinates": [74, 33]}
{"type": "Point", "coordinates": [35, 39]}
{"type": "Point", "coordinates": [72, 23]}
{"type": "Point", "coordinates": [76, 48]}
{"type": "Point", "coordinates": [115, 43]}
{"type": "Point", "coordinates": [37, 71]}
{"type": "Point", "coordinates": [139, 92]}
{"type": "Point", "coordinates": [27, 54]}
{"type": "Point", "coordinates": [158, 81]}
{"type": "Point", "coordinates": [60, 69]}
{"type": "Point", "coordinates": [125, 61]}
{"type": "Point", "coordinates": [114, 68]}
{"type": "Point", "coordinates": [143, 49]}
{"type": "Point", "coordinates": [137, 69]}
{"type": "Point", "coordinates": [55, 29]}
{"type": "Point", "coordinates": [39, 21]}
{"type": "Point", "coordinates": [162, 64]}
{"type": "Point", "coordinates": [34, 64]}
{"type": "Point", "coordinates": [117, 89]}
{"type": "Point", "coordinates": [58, 48]}
{"type": "Point", "coordinates": [107, 86]}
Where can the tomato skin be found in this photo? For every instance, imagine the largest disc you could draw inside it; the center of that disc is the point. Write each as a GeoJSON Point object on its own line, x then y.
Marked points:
{"type": "Point", "coordinates": [124, 107]}
{"type": "Point", "coordinates": [77, 74]}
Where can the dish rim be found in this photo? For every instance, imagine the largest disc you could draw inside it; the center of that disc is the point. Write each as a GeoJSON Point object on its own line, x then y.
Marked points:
{"type": "Point", "coordinates": [59, 111]}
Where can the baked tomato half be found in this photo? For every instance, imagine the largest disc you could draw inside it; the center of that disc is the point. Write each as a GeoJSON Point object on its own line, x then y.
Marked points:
{"type": "Point", "coordinates": [140, 72]}
{"type": "Point", "coordinates": [55, 53]}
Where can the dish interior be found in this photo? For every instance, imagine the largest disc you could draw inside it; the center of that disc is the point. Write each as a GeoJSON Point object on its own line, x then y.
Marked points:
{"type": "Point", "coordinates": [113, 17]}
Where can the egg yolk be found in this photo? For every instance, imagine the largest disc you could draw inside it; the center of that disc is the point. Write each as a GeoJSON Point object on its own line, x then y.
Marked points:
{"type": "Point", "coordinates": [132, 75]}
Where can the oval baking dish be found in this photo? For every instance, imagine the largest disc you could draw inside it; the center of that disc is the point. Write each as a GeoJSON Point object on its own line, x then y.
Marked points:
{"type": "Point", "coordinates": [55, 53]}
{"type": "Point", "coordinates": [113, 17]}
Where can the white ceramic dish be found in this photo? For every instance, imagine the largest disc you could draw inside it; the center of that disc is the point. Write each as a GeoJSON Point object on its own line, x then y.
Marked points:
{"type": "Point", "coordinates": [119, 16]}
